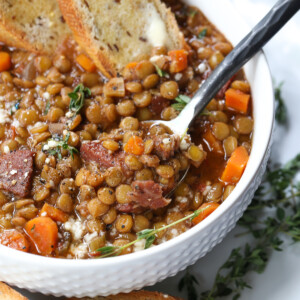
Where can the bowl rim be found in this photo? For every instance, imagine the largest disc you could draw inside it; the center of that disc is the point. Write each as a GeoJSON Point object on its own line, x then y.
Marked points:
{"type": "Point", "coordinates": [192, 232]}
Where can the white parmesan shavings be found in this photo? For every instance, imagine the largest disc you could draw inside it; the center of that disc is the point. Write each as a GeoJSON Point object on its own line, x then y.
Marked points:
{"type": "Point", "coordinates": [6, 149]}
{"type": "Point", "coordinates": [90, 236]}
{"type": "Point", "coordinates": [76, 227]}
{"type": "Point", "coordinates": [154, 58]}
{"type": "Point", "coordinates": [178, 76]}
{"type": "Point", "coordinates": [139, 245]}
{"type": "Point", "coordinates": [46, 95]}
{"type": "Point", "coordinates": [174, 232]}
{"type": "Point", "coordinates": [79, 251]}
{"type": "Point", "coordinates": [202, 67]}
{"type": "Point", "coordinates": [182, 199]}
{"type": "Point", "coordinates": [4, 116]}
{"type": "Point", "coordinates": [12, 172]}
{"type": "Point", "coordinates": [166, 141]}
{"type": "Point", "coordinates": [69, 114]}
{"type": "Point", "coordinates": [50, 144]}
{"type": "Point", "coordinates": [206, 190]}
{"type": "Point", "coordinates": [185, 143]}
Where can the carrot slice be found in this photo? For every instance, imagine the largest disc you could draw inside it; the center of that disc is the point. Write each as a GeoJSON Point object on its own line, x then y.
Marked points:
{"type": "Point", "coordinates": [237, 100]}
{"type": "Point", "coordinates": [212, 142]}
{"type": "Point", "coordinates": [179, 60]}
{"type": "Point", "coordinates": [54, 213]}
{"type": "Point", "coordinates": [43, 232]}
{"type": "Point", "coordinates": [131, 66]}
{"type": "Point", "coordinates": [235, 165]}
{"type": "Point", "coordinates": [86, 63]}
{"type": "Point", "coordinates": [14, 239]}
{"type": "Point", "coordinates": [5, 62]}
{"type": "Point", "coordinates": [134, 146]}
{"type": "Point", "coordinates": [208, 209]}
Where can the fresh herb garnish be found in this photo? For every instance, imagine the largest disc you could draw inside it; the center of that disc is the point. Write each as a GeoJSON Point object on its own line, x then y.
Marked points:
{"type": "Point", "coordinates": [188, 282]}
{"type": "Point", "coordinates": [47, 107]}
{"type": "Point", "coordinates": [279, 193]}
{"type": "Point", "coordinates": [160, 72]}
{"type": "Point", "coordinates": [15, 107]}
{"type": "Point", "coordinates": [148, 234]}
{"type": "Point", "coordinates": [278, 199]}
{"type": "Point", "coordinates": [192, 13]}
{"type": "Point", "coordinates": [202, 34]}
{"type": "Point", "coordinates": [77, 98]}
{"type": "Point", "coordinates": [182, 101]}
{"type": "Point", "coordinates": [281, 110]}
{"type": "Point", "coordinates": [205, 112]}
{"type": "Point", "coordinates": [62, 144]}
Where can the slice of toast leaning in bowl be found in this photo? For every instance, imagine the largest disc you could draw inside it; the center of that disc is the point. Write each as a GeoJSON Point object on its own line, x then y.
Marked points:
{"type": "Point", "coordinates": [115, 33]}
{"type": "Point", "coordinates": [138, 295]}
{"type": "Point", "coordinates": [33, 25]}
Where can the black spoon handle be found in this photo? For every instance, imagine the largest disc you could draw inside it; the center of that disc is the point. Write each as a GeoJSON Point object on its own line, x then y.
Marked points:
{"type": "Point", "coordinates": [279, 15]}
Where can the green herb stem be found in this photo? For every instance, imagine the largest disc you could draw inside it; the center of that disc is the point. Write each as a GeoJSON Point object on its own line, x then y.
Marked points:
{"type": "Point", "coordinates": [146, 234]}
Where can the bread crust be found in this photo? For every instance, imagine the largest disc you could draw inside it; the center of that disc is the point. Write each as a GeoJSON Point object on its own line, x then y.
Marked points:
{"type": "Point", "coordinates": [12, 36]}
{"type": "Point", "coordinates": [7, 293]}
{"type": "Point", "coordinates": [82, 35]}
{"type": "Point", "coordinates": [138, 295]}
{"type": "Point", "coordinates": [101, 57]}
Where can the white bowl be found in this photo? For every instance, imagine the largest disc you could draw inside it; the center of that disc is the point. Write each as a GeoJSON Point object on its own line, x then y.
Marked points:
{"type": "Point", "coordinates": [134, 271]}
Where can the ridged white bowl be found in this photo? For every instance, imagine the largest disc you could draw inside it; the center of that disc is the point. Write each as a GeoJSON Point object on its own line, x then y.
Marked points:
{"type": "Point", "coordinates": [125, 273]}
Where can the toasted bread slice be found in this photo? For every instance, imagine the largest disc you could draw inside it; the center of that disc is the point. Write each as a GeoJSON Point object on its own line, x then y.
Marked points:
{"type": "Point", "coordinates": [115, 33]}
{"type": "Point", "coordinates": [34, 25]}
{"type": "Point", "coordinates": [7, 293]}
{"type": "Point", "coordinates": [139, 295]}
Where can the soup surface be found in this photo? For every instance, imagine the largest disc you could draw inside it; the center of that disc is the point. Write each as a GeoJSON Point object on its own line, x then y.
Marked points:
{"type": "Point", "coordinates": [80, 170]}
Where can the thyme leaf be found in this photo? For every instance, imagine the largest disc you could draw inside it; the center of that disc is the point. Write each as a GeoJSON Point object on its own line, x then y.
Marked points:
{"type": "Point", "coordinates": [182, 101]}
{"type": "Point", "coordinates": [188, 282]}
{"type": "Point", "coordinates": [202, 34]}
{"type": "Point", "coordinates": [281, 110]}
{"type": "Point", "coordinates": [160, 72]}
{"type": "Point", "coordinates": [47, 107]}
{"type": "Point", "coordinates": [77, 98]}
{"type": "Point", "coordinates": [62, 144]}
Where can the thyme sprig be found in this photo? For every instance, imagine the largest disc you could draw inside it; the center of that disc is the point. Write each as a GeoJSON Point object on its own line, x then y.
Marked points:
{"type": "Point", "coordinates": [160, 72]}
{"type": "Point", "coordinates": [281, 110]}
{"type": "Point", "coordinates": [202, 34]}
{"type": "Point", "coordinates": [273, 216]}
{"type": "Point", "coordinates": [182, 101]}
{"type": "Point", "coordinates": [62, 144]}
{"type": "Point", "coordinates": [149, 235]}
{"type": "Point", "coordinates": [47, 107]}
{"type": "Point", "coordinates": [282, 196]}
{"type": "Point", "coordinates": [77, 98]}
{"type": "Point", "coordinates": [188, 282]}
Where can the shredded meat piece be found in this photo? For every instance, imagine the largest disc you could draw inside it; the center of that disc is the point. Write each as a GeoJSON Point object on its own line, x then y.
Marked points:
{"type": "Point", "coordinates": [165, 145]}
{"type": "Point", "coordinates": [151, 161]}
{"type": "Point", "coordinates": [158, 104]}
{"type": "Point", "coordinates": [16, 169]}
{"type": "Point", "coordinates": [148, 194]}
{"type": "Point", "coordinates": [94, 151]}
{"type": "Point", "coordinates": [57, 128]}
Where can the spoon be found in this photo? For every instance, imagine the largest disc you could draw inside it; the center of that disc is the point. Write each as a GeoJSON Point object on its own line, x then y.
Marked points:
{"type": "Point", "coordinates": [277, 17]}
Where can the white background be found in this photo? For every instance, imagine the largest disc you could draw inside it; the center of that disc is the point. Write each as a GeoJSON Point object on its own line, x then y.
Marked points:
{"type": "Point", "coordinates": [281, 279]}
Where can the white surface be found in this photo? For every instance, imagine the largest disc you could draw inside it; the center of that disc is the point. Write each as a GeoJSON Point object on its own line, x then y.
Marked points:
{"type": "Point", "coordinates": [282, 276]}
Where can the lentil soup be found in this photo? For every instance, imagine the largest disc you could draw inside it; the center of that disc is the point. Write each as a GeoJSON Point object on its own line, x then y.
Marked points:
{"type": "Point", "coordinates": [80, 170]}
